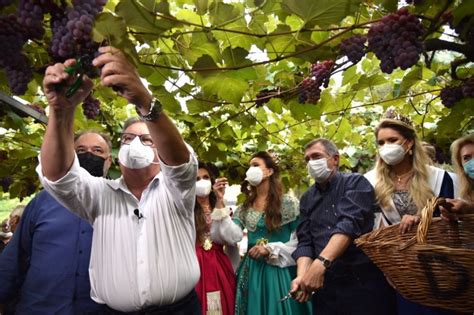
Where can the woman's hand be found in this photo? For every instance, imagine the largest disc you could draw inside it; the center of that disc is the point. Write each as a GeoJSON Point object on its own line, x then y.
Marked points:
{"type": "Point", "coordinates": [408, 221]}
{"type": "Point", "coordinates": [219, 187]}
{"type": "Point", "coordinates": [451, 207]}
{"type": "Point", "coordinates": [258, 251]}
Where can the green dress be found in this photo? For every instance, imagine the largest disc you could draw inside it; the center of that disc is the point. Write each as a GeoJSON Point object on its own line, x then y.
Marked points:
{"type": "Point", "coordinates": [260, 285]}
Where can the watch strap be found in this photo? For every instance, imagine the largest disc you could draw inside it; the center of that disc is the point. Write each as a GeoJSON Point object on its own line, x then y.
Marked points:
{"type": "Point", "coordinates": [155, 110]}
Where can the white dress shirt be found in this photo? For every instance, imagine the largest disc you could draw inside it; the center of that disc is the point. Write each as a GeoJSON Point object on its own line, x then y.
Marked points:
{"type": "Point", "coordinates": [135, 262]}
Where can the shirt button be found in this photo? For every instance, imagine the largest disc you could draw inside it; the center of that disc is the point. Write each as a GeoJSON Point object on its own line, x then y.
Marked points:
{"type": "Point", "coordinates": [80, 252]}
{"type": "Point", "coordinates": [329, 227]}
{"type": "Point", "coordinates": [333, 206]}
{"type": "Point", "coordinates": [77, 274]}
{"type": "Point", "coordinates": [140, 262]}
{"type": "Point", "coordinates": [143, 292]}
{"type": "Point", "coordinates": [82, 232]}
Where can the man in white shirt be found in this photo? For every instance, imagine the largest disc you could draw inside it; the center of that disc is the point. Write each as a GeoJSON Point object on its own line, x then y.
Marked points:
{"type": "Point", "coordinates": [143, 257]}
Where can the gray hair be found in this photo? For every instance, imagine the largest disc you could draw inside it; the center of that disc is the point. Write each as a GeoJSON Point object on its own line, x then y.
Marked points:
{"type": "Point", "coordinates": [131, 121]}
{"type": "Point", "coordinates": [103, 135]}
{"type": "Point", "coordinates": [328, 145]}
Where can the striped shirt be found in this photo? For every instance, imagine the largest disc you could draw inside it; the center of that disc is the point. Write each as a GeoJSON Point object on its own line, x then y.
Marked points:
{"type": "Point", "coordinates": [136, 262]}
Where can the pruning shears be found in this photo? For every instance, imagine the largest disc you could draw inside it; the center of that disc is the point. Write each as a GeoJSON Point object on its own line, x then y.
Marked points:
{"type": "Point", "coordinates": [78, 70]}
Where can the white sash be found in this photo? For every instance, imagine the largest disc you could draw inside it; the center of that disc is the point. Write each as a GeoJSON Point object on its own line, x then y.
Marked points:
{"type": "Point", "coordinates": [390, 215]}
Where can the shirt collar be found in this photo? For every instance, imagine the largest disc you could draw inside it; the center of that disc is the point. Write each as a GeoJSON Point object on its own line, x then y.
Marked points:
{"type": "Point", "coordinates": [331, 183]}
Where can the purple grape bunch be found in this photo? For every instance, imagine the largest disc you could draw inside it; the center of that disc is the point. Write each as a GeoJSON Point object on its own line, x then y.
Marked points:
{"type": "Point", "coordinates": [451, 95]}
{"type": "Point", "coordinates": [353, 47]}
{"type": "Point", "coordinates": [91, 107]}
{"type": "Point", "coordinates": [397, 40]}
{"type": "Point", "coordinates": [15, 63]}
{"type": "Point", "coordinates": [310, 88]}
{"type": "Point", "coordinates": [72, 30]}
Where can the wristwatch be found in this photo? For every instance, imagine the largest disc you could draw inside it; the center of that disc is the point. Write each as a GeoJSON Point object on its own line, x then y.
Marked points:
{"type": "Point", "coordinates": [326, 262]}
{"type": "Point", "coordinates": [155, 110]}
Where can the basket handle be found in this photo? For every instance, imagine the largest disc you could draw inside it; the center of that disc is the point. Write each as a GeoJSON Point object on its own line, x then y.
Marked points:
{"type": "Point", "coordinates": [426, 217]}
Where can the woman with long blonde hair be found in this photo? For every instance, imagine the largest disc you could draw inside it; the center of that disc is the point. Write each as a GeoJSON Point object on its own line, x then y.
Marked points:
{"type": "Point", "coordinates": [462, 157]}
{"type": "Point", "coordinates": [403, 179]}
{"type": "Point", "coordinates": [404, 182]}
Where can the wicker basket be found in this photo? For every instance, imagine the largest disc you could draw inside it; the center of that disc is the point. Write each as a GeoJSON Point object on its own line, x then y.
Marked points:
{"type": "Point", "coordinates": [433, 266]}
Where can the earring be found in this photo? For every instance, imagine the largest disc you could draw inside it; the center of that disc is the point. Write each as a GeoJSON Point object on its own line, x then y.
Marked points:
{"type": "Point", "coordinates": [410, 152]}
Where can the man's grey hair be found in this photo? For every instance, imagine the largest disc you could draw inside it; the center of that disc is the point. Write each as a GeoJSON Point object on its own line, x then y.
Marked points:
{"type": "Point", "coordinates": [131, 121]}
{"type": "Point", "coordinates": [328, 145]}
{"type": "Point", "coordinates": [103, 135]}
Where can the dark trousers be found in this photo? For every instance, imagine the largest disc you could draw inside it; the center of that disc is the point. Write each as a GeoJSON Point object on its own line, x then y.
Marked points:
{"type": "Point", "coordinates": [359, 290]}
{"type": "Point", "coordinates": [189, 305]}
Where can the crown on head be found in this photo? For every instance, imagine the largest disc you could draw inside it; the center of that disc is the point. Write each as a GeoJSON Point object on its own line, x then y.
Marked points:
{"type": "Point", "coordinates": [392, 114]}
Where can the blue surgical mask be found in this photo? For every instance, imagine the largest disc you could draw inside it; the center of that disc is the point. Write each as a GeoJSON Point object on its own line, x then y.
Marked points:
{"type": "Point", "coordinates": [469, 168]}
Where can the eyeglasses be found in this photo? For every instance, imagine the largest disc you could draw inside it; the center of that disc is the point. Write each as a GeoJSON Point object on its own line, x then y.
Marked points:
{"type": "Point", "coordinates": [127, 138]}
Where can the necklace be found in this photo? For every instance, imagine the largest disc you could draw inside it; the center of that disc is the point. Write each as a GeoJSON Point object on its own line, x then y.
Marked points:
{"type": "Point", "coordinates": [400, 177]}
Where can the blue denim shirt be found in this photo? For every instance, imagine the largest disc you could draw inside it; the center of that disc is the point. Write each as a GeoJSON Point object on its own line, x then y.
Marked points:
{"type": "Point", "coordinates": [345, 206]}
{"type": "Point", "coordinates": [45, 265]}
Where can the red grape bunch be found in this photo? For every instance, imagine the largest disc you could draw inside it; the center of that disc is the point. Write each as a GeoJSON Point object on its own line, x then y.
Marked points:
{"type": "Point", "coordinates": [396, 40]}
{"type": "Point", "coordinates": [91, 107]}
{"type": "Point", "coordinates": [353, 47]}
{"type": "Point", "coordinates": [310, 88]}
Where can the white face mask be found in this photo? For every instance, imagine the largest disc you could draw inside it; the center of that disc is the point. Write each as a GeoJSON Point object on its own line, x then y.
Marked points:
{"type": "Point", "coordinates": [254, 175]}
{"type": "Point", "coordinates": [136, 155]}
{"type": "Point", "coordinates": [392, 153]}
{"type": "Point", "coordinates": [203, 187]}
{"type": "Point", "coordinates": [319, 170]}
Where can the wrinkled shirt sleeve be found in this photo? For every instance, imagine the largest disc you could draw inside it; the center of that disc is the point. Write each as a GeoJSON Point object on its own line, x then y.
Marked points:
{"type": "Point", "coordinates": [303, 231]}
{"type": "Point", "coordinates": [356, 208]}
{"type": "Point", "coordinates": [16, 256]}
{"type": "Point", "coordinates": [181, 181]}
{"type": "Point", "coordinates": [78, 190]}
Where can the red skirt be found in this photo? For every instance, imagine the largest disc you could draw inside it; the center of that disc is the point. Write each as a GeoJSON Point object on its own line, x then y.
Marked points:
{"type": "Point", "coordinates": [216, 287]}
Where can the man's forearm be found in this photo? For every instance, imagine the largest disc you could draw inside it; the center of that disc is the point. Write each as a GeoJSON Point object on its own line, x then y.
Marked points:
{"type": "Point", "coordinates": [336, 246]}
{"type": "Point", "coordinates": [169, 143]}
{"type": "Point", "coordinates": [57, 151]}
{"type": "Point", "coordinates": [302, 265]}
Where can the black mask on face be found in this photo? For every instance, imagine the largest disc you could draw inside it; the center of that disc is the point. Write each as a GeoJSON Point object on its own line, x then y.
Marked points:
{"type": "Point", "coordinates": [92, 163]}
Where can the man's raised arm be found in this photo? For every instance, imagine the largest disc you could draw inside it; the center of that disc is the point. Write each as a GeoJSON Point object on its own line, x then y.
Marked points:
{"type": "Point", "coordinates": [57, 151]}
{"type": "Point", "coordinates": [117, 72]}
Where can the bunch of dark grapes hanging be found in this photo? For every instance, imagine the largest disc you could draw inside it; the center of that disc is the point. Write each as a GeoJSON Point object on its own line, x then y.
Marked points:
{"type": "Point", "coordinates": [397, 40]}
{"type": "Point", "coordinates": [12, 60]}
{"type": "Point", "coordinates": [353, 47]}
{"type": "Point", "coordinates": [310, 87]}
{"type": "Point", "coordinates": [91, 107]}
{"type": "Point", "coordinates": [450, 95]}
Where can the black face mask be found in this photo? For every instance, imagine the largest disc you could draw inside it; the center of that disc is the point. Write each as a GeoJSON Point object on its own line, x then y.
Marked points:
{"type": "Point", "coordinates": [92, 163]}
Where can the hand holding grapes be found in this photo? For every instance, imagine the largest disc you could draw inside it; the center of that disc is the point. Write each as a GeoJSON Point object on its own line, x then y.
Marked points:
{"type": "Point", "coordinates": [57, 81]}
{"type": "Point", "coordinates": [117, 72]}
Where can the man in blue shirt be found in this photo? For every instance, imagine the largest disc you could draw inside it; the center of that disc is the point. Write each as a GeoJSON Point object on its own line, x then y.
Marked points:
{"type": "Point", "coordinates": [45, 266]}
{"type": "Point", "coordinates": [331, 270]}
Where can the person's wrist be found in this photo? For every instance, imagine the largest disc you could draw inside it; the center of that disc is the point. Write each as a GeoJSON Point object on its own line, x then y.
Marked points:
{"type": "Point", "coordinates": [144, 103]}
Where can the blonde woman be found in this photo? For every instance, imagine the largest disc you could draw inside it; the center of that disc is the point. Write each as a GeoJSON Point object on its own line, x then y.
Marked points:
{"type": "Point", "coordinates": [402, 178]}
{"type": "Point", "coordinates": [404, 182]}
{"type": "Point", "coordinates": [462, 157]}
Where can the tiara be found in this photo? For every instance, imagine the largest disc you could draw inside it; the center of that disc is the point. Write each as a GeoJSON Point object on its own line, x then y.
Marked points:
{"type": "Point", "coordinates": [392, 114]}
